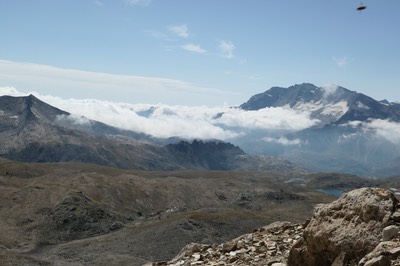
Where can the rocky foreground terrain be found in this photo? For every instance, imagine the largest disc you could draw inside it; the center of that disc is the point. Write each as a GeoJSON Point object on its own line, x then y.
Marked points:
{"type": "Point", "coordinates": [84, 214]}
{"type": "Point", "coordinates": [360, 228]}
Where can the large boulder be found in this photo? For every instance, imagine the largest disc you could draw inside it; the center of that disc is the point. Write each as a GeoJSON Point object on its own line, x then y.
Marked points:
{"type": "Point", "coordinates": [344, 231]}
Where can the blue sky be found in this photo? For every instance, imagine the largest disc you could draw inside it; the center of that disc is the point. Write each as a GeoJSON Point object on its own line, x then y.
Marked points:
{"type": "Point", "coordinates": [197, 52]}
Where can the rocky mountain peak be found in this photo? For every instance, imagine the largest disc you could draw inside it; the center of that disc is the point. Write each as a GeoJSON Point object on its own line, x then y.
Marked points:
{"type": "Point", "coordinates": [295, 95]}
{"type": "Point", "coordinates": [359, 228]}
{"type": "Point", "coordinates": [330, 104]}
{"type": "Point", "coordinates": [27, 108]}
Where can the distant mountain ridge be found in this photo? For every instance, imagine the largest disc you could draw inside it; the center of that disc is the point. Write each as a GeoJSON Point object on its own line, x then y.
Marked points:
{"type": "Point", "coordinates": [355, 106]}
{"type": "Point", "coordinates": [34, 131]}
{"type": "Point", "coordinates": [343, 139]}
{"type": "Point", "coordinates": [343, 131]}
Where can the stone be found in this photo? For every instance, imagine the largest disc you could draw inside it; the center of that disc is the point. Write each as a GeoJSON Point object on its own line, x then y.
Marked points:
{"type": "Point", "coordinates": [396, 216]}
{"type": "Point", "coordinates": [395, 252]}
{"type": "Point", "coordinates": [232, 259]}
{"type": "Point", "coordinates": [196, 257]}
{"type": "Point", "coordinates": [249, 249]}
{"type": "Point", "coordinates": [389, 232]}
{"type": "Point", "coordinates": [240, 244]}
{"type": "Point", "coordinates": [339, 261]}
{"type": "Point", "coordinates": [379, 261]}
{"type": "Point", "coordinates": [351, 224]}
{"type": "Point", "coordinates": [229, 246]}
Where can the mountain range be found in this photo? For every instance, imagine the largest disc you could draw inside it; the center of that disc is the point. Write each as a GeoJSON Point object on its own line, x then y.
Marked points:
{"type": "Point", "coordinates": [353, 133]}
{"type": "Point", "coordinates": [335, 105]}
{"type": "Point", "coordinates": [322, 129]}
{"type": "Point", "coordinates": [33, 131]}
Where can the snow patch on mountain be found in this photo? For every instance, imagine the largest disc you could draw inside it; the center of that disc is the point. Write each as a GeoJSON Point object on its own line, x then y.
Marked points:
{"type": "Point", "coordinates": [308, 106]}
{"type": "Point", "coordinates": [336, 110]}
{"type": "Point", "coordinates": [360, 105]}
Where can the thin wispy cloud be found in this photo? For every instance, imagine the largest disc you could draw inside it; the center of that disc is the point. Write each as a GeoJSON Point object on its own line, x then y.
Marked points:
{"type": "Point", "coordinates": [226, 48]}
{"type": "Point", "coordinates": [70, 82]}
{"type": "Point", "coordinates": [193, 48]}
{"type": "Point", "coordinates": [341, 61]}
{"type": "Point", "coordinates": [181, 31]}
{"type": "Point", "coordinates": [138, 2]}
{"type": "Point", "coordinates": [99, 3]}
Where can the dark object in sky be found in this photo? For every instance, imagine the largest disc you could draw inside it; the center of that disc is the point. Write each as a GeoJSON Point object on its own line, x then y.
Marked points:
{"type": "Point", "coordinates": [361, 7]}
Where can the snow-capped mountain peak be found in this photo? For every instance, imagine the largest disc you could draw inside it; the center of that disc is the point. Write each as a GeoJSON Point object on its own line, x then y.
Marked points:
{"type": "Point", "coordinates": [330, 104]}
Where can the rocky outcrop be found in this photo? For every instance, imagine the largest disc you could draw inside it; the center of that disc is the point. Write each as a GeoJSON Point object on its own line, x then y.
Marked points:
{"type": "Point", "coordinates": [344, 231]}
{"type": "Point", "coordinates": [359, 228]}
{"type": "Point", "coordinates": [214, 155]}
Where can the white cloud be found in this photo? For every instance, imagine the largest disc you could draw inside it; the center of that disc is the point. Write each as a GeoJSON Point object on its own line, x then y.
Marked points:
{"type": "Point", "coordinates": [226, 48]}
{"type": "Point", "coordinates": [70, 83]}
{"type": "Point", "coordinates": [201, 122]}
{"type": "Point", "coordinates": [138, 2]}
{"type": "Point", "coordinates": [275, 118]}
{"type": "Point", "coordinates": [193, 48]}
{"type": "Point", "coordinates": [283, 140]}
{"type": "Point", "coordinates": [165, 121]}
{"type": "Point", "coordinates": [387, 129]}
{"type": "Point", "coordinates": [11, 91]}
{"type": "Point", "coordinates": [75, 119]}
{"type": "Point", "coordinates": [181, 31]}
{"type": "Point", "coordinates": [329, 90]}
{"type": "Point", "coordinates": [172, 120]}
